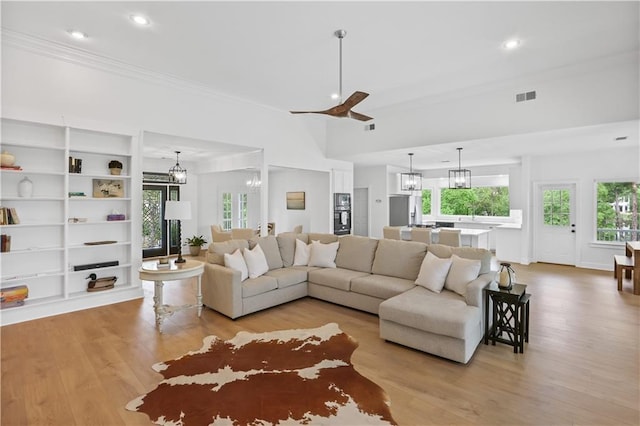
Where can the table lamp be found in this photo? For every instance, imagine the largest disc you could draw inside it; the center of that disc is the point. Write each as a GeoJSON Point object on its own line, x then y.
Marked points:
{"type": "Point", "coordinates": [178, 210]}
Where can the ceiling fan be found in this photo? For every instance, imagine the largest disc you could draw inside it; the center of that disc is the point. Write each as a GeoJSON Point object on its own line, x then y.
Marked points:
{"type": "Point", "coordinates": [344, 108]}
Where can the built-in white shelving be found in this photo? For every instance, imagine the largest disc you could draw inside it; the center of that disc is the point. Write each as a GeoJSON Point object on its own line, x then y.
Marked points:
{"type": "Point", "coordinates": [46, 245]}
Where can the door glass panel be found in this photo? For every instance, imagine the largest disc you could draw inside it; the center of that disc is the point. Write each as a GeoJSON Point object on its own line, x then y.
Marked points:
{"type": "Point", "coordinates": [227, 217]}
{"type": "Point", "coordinates": [556, 207]}
{"type": "Point", "coordinates": [153, 228]}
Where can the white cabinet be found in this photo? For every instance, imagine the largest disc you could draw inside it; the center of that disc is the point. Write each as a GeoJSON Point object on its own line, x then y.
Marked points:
{"type": "Point", "coordinates": [342, 181]}
{"type": "Point", "coordinates": [56, 223]}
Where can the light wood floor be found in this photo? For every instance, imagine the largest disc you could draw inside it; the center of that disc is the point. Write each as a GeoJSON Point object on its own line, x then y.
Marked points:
{"type": "Point", "coordinates": [581, 365]}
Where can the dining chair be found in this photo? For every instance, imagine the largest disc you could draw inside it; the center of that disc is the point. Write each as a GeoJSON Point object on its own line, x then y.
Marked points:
{"type": "Point", "coordinates": [422, 235]}
{"type": "Point", "coordinates": [450, 237]}
{"type": "Point", "coordinates": [391, 232]}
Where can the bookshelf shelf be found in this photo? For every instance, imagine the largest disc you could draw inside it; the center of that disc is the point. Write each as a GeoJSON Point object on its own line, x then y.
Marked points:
{"type": "Point", "coordinates": [45, 245]}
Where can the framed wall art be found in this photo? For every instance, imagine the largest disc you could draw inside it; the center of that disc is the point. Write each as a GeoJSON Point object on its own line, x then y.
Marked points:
{"type": "Point", "coordinates": [295, 200]}
{"type": "Point", "coordinates": [106, 188]}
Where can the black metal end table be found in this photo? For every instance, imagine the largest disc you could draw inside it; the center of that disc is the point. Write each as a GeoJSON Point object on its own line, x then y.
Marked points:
{"type": "Point", "coordinates": [510, 323]}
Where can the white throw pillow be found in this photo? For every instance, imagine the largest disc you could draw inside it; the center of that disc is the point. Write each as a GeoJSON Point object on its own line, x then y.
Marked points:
{"type": "Point", "coordinates": [323, 255]}
{"type": "Point", "coordinates": [301, 256]}
{"type": "Point", "coordinates": [256, 261]}
{"type": "Point", "coordinates": [236, 261]}
{"type": "Point", "coordinates": [433, 272]}
{"type": "Point", "coordinates": [462, 272]}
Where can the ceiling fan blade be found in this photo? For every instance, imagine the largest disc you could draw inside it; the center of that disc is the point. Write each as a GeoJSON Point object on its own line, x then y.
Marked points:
{"type": "Point", "coordinates": [354, 99]}
{"type": "Point", "coordinates": [358, 116]}
{"type": "Point", "coordinates": [312, 112]}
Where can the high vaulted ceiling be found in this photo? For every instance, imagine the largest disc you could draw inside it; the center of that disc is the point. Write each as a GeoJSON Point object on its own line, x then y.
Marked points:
{"type": "Point", "coordinates": [284, 54]}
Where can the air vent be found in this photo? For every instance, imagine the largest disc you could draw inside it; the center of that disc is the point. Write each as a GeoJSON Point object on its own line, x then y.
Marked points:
{"type": "Point", "coordinates": [526, 96]}
{"type": "Point", "coordinates": [621, 138]}
{"type": "Point", "coordinates": [369, 127]}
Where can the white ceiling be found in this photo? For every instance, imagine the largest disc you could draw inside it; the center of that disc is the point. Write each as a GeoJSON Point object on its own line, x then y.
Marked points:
{"type": "Point", "coordinates": [284, 54]}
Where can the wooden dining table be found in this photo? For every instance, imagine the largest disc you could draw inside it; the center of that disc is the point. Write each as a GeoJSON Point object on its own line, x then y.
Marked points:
{"type": "Point", "coordinates": [633, 250]}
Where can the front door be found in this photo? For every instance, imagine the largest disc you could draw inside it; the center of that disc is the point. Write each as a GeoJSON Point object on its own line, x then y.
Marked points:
{"type": "Point", "coordinates": [159, 237]}
{"type": "Point", "coordinates": [555, 226]}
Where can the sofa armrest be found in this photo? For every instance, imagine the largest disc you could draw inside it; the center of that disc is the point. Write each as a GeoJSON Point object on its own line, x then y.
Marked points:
{"type": "Point", "coordinates": [222, 289]}
{"type": "Point", "coordinates": [474, 295]}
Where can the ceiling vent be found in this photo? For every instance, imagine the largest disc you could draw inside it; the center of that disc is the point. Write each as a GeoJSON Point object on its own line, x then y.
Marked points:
{"type": "Point", "coordinates": [369, 127]}
{"type": "Point", "coordinates": [526, 96]}
{"type": "Point", "coordinates": [621, 138]}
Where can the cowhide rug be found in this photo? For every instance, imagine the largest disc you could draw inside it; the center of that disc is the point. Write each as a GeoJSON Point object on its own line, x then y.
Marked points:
{"type": "Point", "coordinates": [280, 377]}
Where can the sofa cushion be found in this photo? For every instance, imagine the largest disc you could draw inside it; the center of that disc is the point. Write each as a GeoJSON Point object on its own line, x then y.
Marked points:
{"type": "Point", "coordinates": [269, 246]}
{"type": "Point", "coordinates": [302, 254]}
{"type": "Point", "coordinates": [462, 272]}
{"type": "Point", "coordinates": [256, 261]}
{"type": "Point", "coordinates": [236, 261]}
{"type": "Point", "coordinates": [401, 259]}
{"type": "Point", "coordinates": [255, 286]}
{"type": "Point", "coordinates": [446, 313]}
{"type": "Point", "coordinates": [356, 253]}
{"type": "Point", "coordinates": [433, 272]}
{"type": "Point", "coordinates": [334, 277]}
{"type": "Point", "coordinates": [481, 254]}
{"type": "Point", "coordinates": [288, 276]}
{"type": "Point", "coordinates": [380, 286]}
{"type": "Point", "coordinates": [287, 247]}
{"type": "Point", "coordinates": [323, 238]}
{"type": "Point", "coordinates": [323, 255]}
{"type": "Point", "coordinates": [216, 251]}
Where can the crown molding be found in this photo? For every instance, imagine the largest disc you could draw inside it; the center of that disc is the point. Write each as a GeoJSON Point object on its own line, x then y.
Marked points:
{"type": "Point", "coordinates": [76, 56]}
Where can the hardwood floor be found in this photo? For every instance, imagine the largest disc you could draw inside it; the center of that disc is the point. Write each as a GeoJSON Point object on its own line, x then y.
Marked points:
{"type": "Point", "coordinates": [581, 365]}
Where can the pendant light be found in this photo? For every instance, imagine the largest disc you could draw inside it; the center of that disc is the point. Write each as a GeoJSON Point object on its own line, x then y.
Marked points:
{"type": "Point", "coordinates": [176, 173]}
{"type": "Point", "coordinates": [411, 181]}
{"type": "Point", "coordinates": [254, 183]}
{"type": "Point", "coordinates": [460, 178]}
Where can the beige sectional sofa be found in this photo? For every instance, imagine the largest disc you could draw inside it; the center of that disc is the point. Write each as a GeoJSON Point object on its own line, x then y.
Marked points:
{"type": "Point", "coordinates": [376, 276]}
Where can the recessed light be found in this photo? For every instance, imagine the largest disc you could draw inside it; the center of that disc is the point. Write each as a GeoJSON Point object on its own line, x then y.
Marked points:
{"type": "Point", "coordinates": [511, 44]}
{"type": "Point", "coordinates": [140, 19]}
{"type": "Point", "coordinates": [78, 35]}
{"type": "Point", "coordinates": [335, 96]}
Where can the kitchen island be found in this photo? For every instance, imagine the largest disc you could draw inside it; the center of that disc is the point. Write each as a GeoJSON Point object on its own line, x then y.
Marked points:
{"type": "Point", "coordinates": [478, 238]}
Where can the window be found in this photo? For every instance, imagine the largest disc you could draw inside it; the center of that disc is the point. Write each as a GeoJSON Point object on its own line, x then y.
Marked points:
{"type": "Point", "coordinates": [479, 201]}
{"type": "Point", "coordinates": [556, 207]}
{"type": "Point", "coordinates": [242, 210]}
{"type": "Point", "coordinates": [617, 211]}
{"type": "Point", "coordinates": [426, 201]}
{"type": "Point", "coordinates": [227, 218]}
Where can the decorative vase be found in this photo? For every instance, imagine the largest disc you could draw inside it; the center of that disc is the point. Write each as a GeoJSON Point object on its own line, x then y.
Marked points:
{"type": "Point", "coordinates": [506, 276]}
{"type": "Point", "coordinates": [194, 250]}
{"type": "Point", "coordinates": [7, 159]}
{"type": "Point", "coordinates": [25, 188]}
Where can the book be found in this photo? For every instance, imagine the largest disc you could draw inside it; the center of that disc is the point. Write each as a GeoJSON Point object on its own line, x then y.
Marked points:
{"type": "Point", "coordinates": [10, 167]}
{"type": "Point", "coordinates": [11, 294]}
{"type": "Point", "coordinates": [5, 244]}
{"type": "Point", "coordinates": [14, 216]}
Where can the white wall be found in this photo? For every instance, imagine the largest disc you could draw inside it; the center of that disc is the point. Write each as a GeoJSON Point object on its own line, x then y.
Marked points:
{"type": "Point", "coordinates": [604, 91]}
{"type": "Point", "coordinates": [585, 168]}
{"type": "Point", "coordinates": [317, 215]}
{"type": "Point", "coordinates": [210, 189]}
{"type": "Point", "coordinates": [376, 179]}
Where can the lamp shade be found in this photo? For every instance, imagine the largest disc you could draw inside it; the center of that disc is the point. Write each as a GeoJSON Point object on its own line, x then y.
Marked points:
{"type": "Point", "coordinates": [177, 210]}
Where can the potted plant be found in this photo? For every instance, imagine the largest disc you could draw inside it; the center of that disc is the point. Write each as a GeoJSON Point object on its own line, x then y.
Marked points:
{"type": "Point", "coordinates": [195, 243]}
{"type": "Point", "coordinates": [115, 167]}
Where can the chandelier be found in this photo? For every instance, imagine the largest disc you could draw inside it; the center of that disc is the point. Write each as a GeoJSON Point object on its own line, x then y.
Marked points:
{"type": "Point", "coordinates": [254, 182]}
{"type": "Point", "coordinates": [411, 181]}
{"type": "Point", "coordinates": [176, 173]}
{"type": "Point", "coordinates": [460, 178]}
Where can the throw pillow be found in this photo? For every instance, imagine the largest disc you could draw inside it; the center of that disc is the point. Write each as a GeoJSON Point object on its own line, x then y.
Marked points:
{"type": "Point", "coordinates": [462, 272]}
{"type": "Point", "coordinates": [323, 255]}
{"type": "Point", "coordinates": [433, 272]}
{"type": "Point", "coordinates": [256, 261]}
{"type": "Point", "coordinates": [301, 256]}
{"type": "Point", "coordinates": [236, 261]}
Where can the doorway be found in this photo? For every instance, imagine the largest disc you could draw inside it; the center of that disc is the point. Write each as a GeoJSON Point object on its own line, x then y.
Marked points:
{"type": "Point", "coordinates": [361, 212]}
{"type": "Point", "coordinates": [555, 223]}
{"type": "Point", "coordinates": [159, 236]}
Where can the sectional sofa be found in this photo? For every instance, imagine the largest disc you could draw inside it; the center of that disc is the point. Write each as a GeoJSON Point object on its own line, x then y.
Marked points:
{"type": "Point", "coordinates": [376, 276]}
